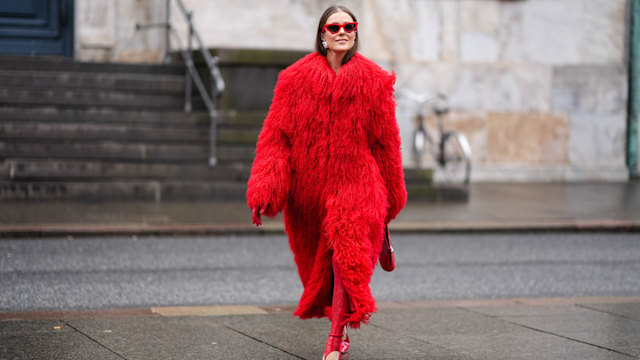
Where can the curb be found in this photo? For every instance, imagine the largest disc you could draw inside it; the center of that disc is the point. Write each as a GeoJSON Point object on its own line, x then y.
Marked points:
{"type": "Point", "coordinates": [133, 229]}
{"type": "Point", "coordinates": [230, 310]}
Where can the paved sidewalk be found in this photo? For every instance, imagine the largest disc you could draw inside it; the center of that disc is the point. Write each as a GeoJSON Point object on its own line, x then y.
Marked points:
{"type": "Point", "coordinates": [491, 207]}
{"type": "Point", "coordinates": [556, 328]}
{"type": "Point", "coordinates": [536, 329]}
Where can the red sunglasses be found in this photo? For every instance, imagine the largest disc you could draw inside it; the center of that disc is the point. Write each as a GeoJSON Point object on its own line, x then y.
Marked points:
{"type": "Point", "coordinates": [334, 28]}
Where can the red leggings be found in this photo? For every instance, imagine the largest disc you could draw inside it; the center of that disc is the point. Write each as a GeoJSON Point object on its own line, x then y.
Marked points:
{"type": "Point", "coordinates": [339, 310]}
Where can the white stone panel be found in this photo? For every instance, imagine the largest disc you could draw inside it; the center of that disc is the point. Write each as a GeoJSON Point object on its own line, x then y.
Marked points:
{"type": "Point", "coordinates": [479, 47]}
{"type": "Point", "coordinates": [479, 16]}
{"type": "Point", "coordinates": [105, 30]}
{"type": "Point", "coordinates": [273, 24]}
{"type": "Point", "coordinates": [429, 77]}
{"type": "Point", "coordinates": [510, 32]}
{"type": "Point", "coordinates": [95, 21]}
{"type": "Point", "coordinates": [479, 25]}
{"type": "Point", "coordinates": [279, 24]}
{"type": "Point", "coordinates": [564, 32]}
{"type": "Point", "coordinates": [589, 89]}
{"type": "Point", "coordinates": [374, 43]}
{"type": "Point", "coordinates": [404, 115]}
{"type": "Point", "coordinates": [405, 30]}
{"type": "Point", "coordinates": [140, 45]}
{"type": "Point", "coordinates": [603, 31]}
{"type": "Point", "coordinates": [503, 88]}
{"type": "Point", "coordinates": [425, 39]}
{"type": "Point", "coordinates": [388, 20]}
{"type": "Point", "coordinates": [449, 32]}
{"type": "Point", "coordinates": [597, 141]}
{"type": "Point", "coordinates": [552, 31]}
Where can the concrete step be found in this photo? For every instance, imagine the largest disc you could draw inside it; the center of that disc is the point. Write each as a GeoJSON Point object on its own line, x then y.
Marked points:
{"type": "Point", "coordinates": [92, 114]}
{"type": "Point", "coordinates": [140, 83]}
{"type": "Point", "coordinates": [245, 118]}
{"type": "Point", "coordinates": [171, 189]}
{"type": "Point", "coordinates": [52, 63]}
{"type": "Point", "coordinates": [129, 151]}
{"type": "Point", "coordinates": [20, 170]}
{"type": "Point", "coordinates": [151, 117]}
{"type": "Point", "coordinates": [98, 131]}
{"type": "Point", "coordinates": [84, 131]}
{"type": "Point", "coordinates": [144, 190]}
{"type": "Point", "coordinates": [235, 135]}
{"type": "Point", "coordinates": [94, 131]}
{"type": "Point", "coordinates": [418, 176]}
{"type": "Point", "coordinates": [439, 193]}
{"type": "Point", "coordinates": [421, 187]}
{"type": "Point", "coordinates": [91, 98]}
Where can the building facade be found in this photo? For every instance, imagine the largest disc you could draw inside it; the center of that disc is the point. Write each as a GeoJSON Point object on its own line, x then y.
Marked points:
{"type": "Point", "coordinates": [540, 87]}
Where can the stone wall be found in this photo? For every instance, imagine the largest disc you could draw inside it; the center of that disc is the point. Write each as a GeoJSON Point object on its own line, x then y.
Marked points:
{"type": "Point", "coordinates": [538, 86]}
{"type": "Point", "coordinates": [105, 30]}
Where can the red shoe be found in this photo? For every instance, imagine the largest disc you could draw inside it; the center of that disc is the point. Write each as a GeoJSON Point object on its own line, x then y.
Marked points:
{"type": "Point", "coordinates": [333, 349]}
{"type": "Point", "coordinates": [344, 345]}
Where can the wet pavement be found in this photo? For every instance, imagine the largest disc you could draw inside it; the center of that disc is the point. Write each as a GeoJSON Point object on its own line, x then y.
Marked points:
{"type": "Point", "coordinates": [491, 207]}
{"type": "Point", "coordinates": [522, 328]}
{"type": "Point", "coordinates": [552, 328]}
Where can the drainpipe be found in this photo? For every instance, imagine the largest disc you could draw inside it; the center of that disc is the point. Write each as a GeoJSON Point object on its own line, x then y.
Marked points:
{"type": "Point", "coordinates": [634, 91]}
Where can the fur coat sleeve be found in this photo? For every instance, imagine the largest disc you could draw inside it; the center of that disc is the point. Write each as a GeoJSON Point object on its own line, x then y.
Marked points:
{"type": "Point", "coordinates": [384, 139]}
{"type": "Point", "coordinates": [270, 174]}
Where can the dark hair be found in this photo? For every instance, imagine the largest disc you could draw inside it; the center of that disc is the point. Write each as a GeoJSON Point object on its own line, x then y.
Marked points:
{"type": "Point", "coordinates": [323, 20]}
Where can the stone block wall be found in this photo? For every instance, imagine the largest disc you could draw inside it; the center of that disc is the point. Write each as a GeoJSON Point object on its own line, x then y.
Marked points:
{"type": "Point", "coordinates": [105, 31]}
{"type": "Point", "coordinates": [538, 86]}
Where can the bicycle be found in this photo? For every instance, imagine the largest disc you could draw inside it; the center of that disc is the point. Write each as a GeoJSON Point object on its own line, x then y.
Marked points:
{"type": "Point", "coordinates": [451, 151]}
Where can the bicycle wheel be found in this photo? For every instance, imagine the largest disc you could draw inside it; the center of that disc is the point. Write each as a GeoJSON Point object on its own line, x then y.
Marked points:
{"type": "Point", "coordinates": [454, 161]}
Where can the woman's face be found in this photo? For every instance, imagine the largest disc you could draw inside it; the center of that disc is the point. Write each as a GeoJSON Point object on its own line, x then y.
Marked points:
{"type": "Point", "coordinates": [341, 41]}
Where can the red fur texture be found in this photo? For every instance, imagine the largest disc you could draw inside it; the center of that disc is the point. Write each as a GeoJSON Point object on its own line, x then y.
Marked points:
{"type": "Point", "coordinates": [329, 156]}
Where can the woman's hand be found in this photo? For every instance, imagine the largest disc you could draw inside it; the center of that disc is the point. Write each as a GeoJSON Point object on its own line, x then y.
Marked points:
{"type": "Point", "coordinates": [257, 211]}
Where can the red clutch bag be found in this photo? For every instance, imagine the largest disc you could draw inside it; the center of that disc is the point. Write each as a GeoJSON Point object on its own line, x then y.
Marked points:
{"type": "Point", "coordinates": [387, 258]}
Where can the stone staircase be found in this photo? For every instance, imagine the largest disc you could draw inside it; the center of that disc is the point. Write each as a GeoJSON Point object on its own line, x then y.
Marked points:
{"type": "Point", "coordinates": [108, 132]}
{"type": "Point", "coordinates": [89, 131]}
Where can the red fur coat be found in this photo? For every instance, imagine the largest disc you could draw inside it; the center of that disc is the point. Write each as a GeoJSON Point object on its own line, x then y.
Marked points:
{"type": "Point", "coordinates": [329, 156]}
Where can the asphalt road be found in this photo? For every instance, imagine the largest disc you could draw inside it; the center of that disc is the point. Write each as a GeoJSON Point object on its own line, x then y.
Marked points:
{"type": "Point", "coordinates": [114, 272]}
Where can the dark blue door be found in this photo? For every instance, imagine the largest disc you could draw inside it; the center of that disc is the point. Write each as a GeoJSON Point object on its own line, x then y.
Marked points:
{"type": "Point", "coordinates": [36, 27]}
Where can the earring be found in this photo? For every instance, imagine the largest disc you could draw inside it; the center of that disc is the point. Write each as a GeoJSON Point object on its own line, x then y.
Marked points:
{"type": "Point", "coordinates": [324, 44]}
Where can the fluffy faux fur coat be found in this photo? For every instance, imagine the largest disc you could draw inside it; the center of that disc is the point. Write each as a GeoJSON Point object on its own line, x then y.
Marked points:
{"type": "Point", "coordinates": [329, 156]}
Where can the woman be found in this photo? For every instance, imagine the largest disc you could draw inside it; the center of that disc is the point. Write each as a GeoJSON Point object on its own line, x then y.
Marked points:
{"type": "Point", "coordinates": [329, 156]}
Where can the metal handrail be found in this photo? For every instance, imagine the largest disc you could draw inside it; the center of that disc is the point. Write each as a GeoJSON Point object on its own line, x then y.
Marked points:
{"type": "Point", "coordinates": [217, 84]}
{"type": "Point", "coordinates": [191, 74]}
{"type": "Point", "coordinates": [212, 61]}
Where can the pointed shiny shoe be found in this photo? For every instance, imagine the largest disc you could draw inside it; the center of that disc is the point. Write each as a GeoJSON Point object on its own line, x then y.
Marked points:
{"type": "Point", "coordinates": [333, 349]}
{"type": "Point", "coordinates": [344, 345]}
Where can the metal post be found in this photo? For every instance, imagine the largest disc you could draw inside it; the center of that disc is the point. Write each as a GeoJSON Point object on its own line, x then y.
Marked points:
{"type": "Point", "coordinates": [187, 80]}
{"type": "Point", "coordinates": [213, 115]}
{"type": "Point", "coordinates": [167, 34]}
{"type": "Point", "coordinates": [213, 139]}
{"type": "Point", "coordinates": [634, 91]}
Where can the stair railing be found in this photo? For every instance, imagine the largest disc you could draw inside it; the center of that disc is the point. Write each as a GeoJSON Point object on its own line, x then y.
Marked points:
{"type": "Point", "coordinates": [191, 74]}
